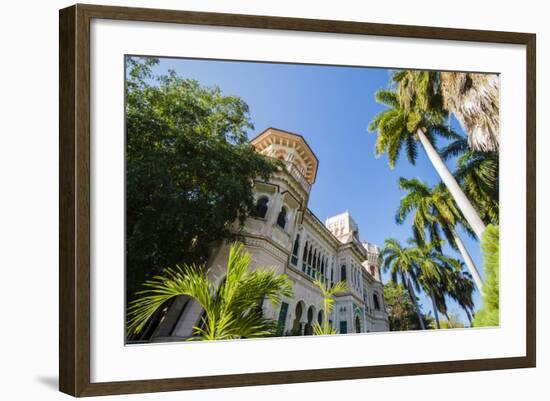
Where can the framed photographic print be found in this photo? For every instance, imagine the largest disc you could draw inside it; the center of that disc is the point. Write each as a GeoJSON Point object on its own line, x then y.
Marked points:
{"type": "Point", "coordinates": [250, 200]}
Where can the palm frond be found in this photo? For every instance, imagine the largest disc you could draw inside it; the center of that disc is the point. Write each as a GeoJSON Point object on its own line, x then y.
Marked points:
{"type": "Point", "coordinates": [231, 309]}
{"type": "Point", "coordinates": [189, 280]}
{"type": "Point", "coordinates": [455, 148]}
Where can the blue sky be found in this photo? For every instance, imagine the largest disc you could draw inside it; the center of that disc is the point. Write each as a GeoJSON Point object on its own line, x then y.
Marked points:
{"type": "Point", "coordinates": [331, 106]}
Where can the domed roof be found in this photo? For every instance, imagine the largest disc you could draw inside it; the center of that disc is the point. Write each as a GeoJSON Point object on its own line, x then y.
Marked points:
{"type": "Point", "coordinates": [281, 138]}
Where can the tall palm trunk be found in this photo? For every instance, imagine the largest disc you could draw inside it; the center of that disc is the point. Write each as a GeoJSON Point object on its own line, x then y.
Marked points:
{"type": "Point", "coordinates": [449, 180]}
{"type": "Point", "coordinates": [469, 316]}
{"type": "Point", "coordinates": [412, 295]}
{"type": "Point", "coordinates": [436, 314]}
{"type": "Point", "coordinates": [468, 260]}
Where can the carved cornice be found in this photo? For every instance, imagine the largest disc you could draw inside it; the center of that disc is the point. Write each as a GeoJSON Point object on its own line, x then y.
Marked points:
{"type": "Point", "coordinates": [268, 245]}
{"type": "Point", "coordinates": [320, 229]}
{"type": "Point", "coordinates": [292, 140]}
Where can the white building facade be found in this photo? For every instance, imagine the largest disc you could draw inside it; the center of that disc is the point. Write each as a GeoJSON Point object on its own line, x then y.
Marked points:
{"type": "Point", "coordinates": [284, 234]}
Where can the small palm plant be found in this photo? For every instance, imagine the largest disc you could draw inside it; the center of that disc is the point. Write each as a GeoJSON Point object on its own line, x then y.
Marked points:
{"type": "Point", "coordinates": [328, 304]}
{"type": "Point", "coordinates": [232, 308]}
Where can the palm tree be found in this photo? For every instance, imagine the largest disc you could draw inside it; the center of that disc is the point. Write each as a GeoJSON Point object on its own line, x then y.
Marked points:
{"type": "Point", "coordinates": [401, 262]}
{"type": "Point", "coordinates": [434, 210]}
{"type": "Point", "coordinates": [232, 308]}
{"type": "Point", "coordinates": [441, 276]}
{"type": "Point", "coordinates": [328, 304]}
{"type": "Point", "coordinates": [461, 287]}
{"type": "Point", "coordinates": [478, 174]}
{"type": "Point", "coordinates": [415, 113]}
{"type": "Point", "coordinates": [433, 275]}
{"type": "Point", "coordinates": [474, 100]}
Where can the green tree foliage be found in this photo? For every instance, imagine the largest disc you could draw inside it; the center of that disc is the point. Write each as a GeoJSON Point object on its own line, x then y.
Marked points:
{"type": "Point", "coordinates": [232, 308]}
{"type": "Point", "coordinates": [401, 310]}
{"type": "Point", "coordinates": [460, 287]}
{"type": "Point", "coordinates": [423, 266]}
{"type": "Point", "coordinates": [433, 275]}
{"type": "Point", "coordinates": [415, 114]}
{"type": "Point", "coordinates": [488, 315]}
{"type": "Point", "coordinates": [434, 210]}
{"type": "Point", "coordinates": [478, 174]}
{"type": "Point", "coordinates": [189, 170]}
{"type": "Point", "coordinates": [413, 104]}
{"type": "Point", "coordinates": [401, 262]}
{"type": "Point", "coordinates": [442, 277]}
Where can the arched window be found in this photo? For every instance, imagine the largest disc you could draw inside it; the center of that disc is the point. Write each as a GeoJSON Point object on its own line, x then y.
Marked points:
{"type": "Point", "coordinates": [261, 207]}
{"type": "Point", "coordinates": [309, 257]}
{"type": "Point", "coordinates": [294, 259]}
{"type": "Point", "coordinates": [376, 302]}
{"type": "Point", "coordinates": [343, 273]}
{"type": "Point", "coordinates": [281, 219]}
{"type": "Point", "coordinates": [296, 245]}
{"type": "Point", "coordinates": [314, 261]}
{"type": "Point", "coordinates": [372, 270]}
{"type": "Point", "coordinates": [304, 258]}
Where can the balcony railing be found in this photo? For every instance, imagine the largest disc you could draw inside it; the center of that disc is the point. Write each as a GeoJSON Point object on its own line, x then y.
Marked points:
{"type": "Point", "coordinates": [298, 176]}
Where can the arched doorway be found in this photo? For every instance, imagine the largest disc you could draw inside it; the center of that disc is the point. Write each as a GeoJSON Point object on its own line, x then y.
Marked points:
{"type": "Point", "coordinates": [296, 326]}
{"type": "Point", "coordinates": [376, 302]}
{"type": "Point", "coordinates": [357, 324]}
{"type": "Point", "coordinates": [308, 329]}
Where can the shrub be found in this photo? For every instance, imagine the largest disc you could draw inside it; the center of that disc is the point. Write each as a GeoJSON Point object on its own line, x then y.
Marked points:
{"type": "Point", "coordinates": [488, 315]}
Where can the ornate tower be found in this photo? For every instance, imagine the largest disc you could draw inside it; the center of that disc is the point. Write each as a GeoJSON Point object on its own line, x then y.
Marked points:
{"type": "Point", "coordinates": [344, 227]}
{"type": "Point", "coordinates": [283, 200]}
{"type": "Point", "coordinates": [293, 150]}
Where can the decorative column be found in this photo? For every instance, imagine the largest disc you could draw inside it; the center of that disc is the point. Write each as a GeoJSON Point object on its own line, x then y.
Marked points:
{"type": "Point", "coordinates": [303, 240]}
{"type": "Point", "coordinates": [303, 327]}
{"type": "Point", "coordinates": [273, 213]}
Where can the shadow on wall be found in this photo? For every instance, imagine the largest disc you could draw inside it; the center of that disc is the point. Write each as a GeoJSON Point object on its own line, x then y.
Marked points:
{"type": "Point", "coordinates": [48, 381]}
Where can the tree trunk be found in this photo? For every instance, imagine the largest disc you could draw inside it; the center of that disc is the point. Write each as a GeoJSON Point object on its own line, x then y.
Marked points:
{"type": "Point", "coordinates": [469, 318]}
{"type": "Point", "coordinates": [451, 325]}
{"type": "Point", "coordinates": [468, 260]}
{"type": "Point", "coordinates": [436, 314]}
{"type": "Point", "coordinates": [412, 295]}
{"type": "Point", "coordinates": [449, 180]}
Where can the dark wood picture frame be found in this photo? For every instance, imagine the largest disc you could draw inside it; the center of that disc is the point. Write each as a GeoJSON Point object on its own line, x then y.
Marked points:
{"type": "Point", "coordinates": [74, 205]}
